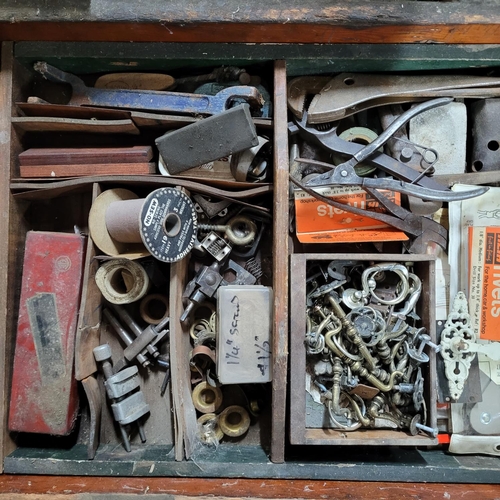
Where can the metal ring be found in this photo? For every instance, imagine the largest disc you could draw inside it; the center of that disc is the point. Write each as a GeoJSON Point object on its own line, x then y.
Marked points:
{"type": "Point", "coordinates": [198, 326]}
{"type": "Point", "coordinates": [206, 398]}
{"type": "Point", "coordinates": [234, 421]}
{"type": "Point", "coordinates": [239, 236]}
{"type": "Point", "coordinates": [399, 269]}
{"type": "Point", "coordinates": [209, 429]}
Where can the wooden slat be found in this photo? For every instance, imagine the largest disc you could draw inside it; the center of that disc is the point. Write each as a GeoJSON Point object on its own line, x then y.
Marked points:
{"type": "Point", "coordinates": [75, 170]}
{"type": "Point", "coordinates": [294, 22]}
{"type": "Point", "coordinates": [302, 59]}
{"type": "Point", "coordinates": [297, 351]}
{"type": "Point", "coordinates": [49, 124]}
{"type": "Point", "coordinates": [85, 487]}
{"type": "Point", "coordinates": [184, 412]}
{"type": "Point", "coordinates": [280, 265]}
{"type": "Point", "coordinates": [66, 111]}
{"type": "Point", "coordinates": [406, 32]}
{"type": "Point", "coordinates": [167, 122]}
{"type": "Point", "coordinates": [65, 156]}
{"type": "Point", "coordinates": [7, 274]}
{"type": "Point", "coordinates": [89, 318]}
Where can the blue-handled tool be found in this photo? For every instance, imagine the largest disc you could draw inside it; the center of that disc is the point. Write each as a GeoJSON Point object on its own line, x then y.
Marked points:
{"type": "Point", "coordinates": [170, 102]}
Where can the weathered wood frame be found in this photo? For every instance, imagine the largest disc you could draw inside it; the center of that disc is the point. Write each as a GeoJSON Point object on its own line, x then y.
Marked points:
{"type": "Point", "coordinates": [256, 22]}
{"type": "Point", "coordinates": [456, 23]}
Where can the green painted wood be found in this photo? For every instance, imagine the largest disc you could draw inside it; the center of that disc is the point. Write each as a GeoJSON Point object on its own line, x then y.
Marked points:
{"type": "Point", "coordinates": [231, 461]}
{"type": "Point", "coordinates": [99, 57]}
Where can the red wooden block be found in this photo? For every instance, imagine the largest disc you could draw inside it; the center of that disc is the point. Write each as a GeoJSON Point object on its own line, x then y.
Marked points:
{"type": "Point", "coordinates": [44, 396]}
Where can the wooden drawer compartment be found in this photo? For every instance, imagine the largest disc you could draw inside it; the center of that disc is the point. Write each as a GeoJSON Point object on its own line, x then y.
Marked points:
{"type": "Point", "coordinates": [72, 200]}
{"type": "Point", "coordinates": [300, 431]}
{"type": "Point", "coordinates": [391, 463]}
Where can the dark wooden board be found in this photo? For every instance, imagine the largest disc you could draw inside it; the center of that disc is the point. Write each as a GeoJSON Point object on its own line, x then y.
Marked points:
{"type": "Point", "coordinates": [77, 170]}
{"type": "Point", "coordinates": [8, 241]}
{"type": "Point", "coordinates": [390, 464]}
{"type": "Point", "coordinates": [67, 111]}
{"type": "Point", "coordinates": [44, 124]}
{"type": "Point", "coordinates": [79, 488]}
{"type": "Point", "coordinates": [82, 156]}
{"type": "Point", "coordinates": [88, 156]}
{"type": "Point", "coordinates": [263, 22]}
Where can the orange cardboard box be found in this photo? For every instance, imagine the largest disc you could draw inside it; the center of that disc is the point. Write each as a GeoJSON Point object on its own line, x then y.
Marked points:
{"type": "Point", "coordinates": [484, 281]}
{"type": "Point", "coordinates": [318, 222]}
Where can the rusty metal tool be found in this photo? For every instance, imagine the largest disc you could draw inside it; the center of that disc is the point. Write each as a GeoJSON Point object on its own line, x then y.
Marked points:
{"type": "Point", "coordinates": [330, 140]}
{"type": "Point", "coordinates": [172, 102]}
{"type": "Point", "coordinates": [299, 88]}
{"type": "Point", "coordinates": [344, 174]}
{"type": "Point", "coordinates": [347, 93]}
{"type": "Point", "coordinates": [124, 392]}
{"type": "Point", "coordinates": [421, 229]}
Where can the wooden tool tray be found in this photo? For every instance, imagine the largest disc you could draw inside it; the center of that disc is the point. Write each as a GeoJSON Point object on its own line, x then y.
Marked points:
{"type": "Point", "coordinates": [60, 205]}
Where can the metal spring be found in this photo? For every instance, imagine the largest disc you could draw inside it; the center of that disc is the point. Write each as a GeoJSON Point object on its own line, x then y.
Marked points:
{"type": "Point", "coordinates": [324, 127]}
{"type": "Point", "coordinates": [253, 267]}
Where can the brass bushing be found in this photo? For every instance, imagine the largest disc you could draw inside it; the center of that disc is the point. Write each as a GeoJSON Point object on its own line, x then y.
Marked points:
{"type": "Point", "coordinates": [206, 399]}
{"type": "Point", "coordinates": [234, 421]}
{"type": "Point", "coordinates": [209, 429]}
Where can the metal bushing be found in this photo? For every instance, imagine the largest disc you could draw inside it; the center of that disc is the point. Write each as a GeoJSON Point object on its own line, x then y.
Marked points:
{"type": "Point", "coordinates": [153, 308]}
{"type": "Point", "coordinates": [234, 421]}
{"type": "Point", "coordinates": [206, 398]}
{"type": "Point", "coordinates": [209, 429]}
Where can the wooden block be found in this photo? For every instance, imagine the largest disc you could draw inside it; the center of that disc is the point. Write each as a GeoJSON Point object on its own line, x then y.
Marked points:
{"type": "Point", "coordinates": [66, 156]}
{"type": "Point", "coordinates": [44, 397]}
{"type": "Point", "coordinates": [134, 81]}
{"type": "Point", "coordinates": [78, 170]}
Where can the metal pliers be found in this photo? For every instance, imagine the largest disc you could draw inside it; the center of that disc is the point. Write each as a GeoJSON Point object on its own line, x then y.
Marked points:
{"type": "Point", "coordinates": [408, 180]}
{"type": "Point", "coordinates": [422, 229]}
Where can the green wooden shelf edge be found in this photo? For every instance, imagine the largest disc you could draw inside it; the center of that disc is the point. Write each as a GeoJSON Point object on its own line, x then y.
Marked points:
{"type": "Point", "coordinates": [100, 57]}
{"type": "Point", "coordinates": [387, 464]}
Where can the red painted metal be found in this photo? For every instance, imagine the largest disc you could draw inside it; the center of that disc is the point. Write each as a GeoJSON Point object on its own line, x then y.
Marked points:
{"type": "Point", "coordinates": [44, 395]}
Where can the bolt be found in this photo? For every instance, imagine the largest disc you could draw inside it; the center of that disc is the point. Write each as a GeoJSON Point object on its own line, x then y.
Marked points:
{"type": "Point", "coordinates": [406, 154]}
{"type": "Point", "coordinates": [343, 173]}
{"type": "Point", "coordinates": [430, 156]}
{"type": "Point", "coordinates": [415, 426]}
{"type": "Point", "coordinates": [433, 431]}
{"type": "Point", "coordinates": [485, 418]}
{"type": "Point", "coordinates": [102, 354]}
{"type": "Point", "coordinates": [426, 340]}
{"type": "Point", "coordinates": [240, 230]}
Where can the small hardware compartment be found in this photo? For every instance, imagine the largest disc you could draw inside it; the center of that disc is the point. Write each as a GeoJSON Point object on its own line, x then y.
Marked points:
{"type": "Point", "coordinates": [71, 199]}
{"type": "Point", "coordinates": [300, 432]}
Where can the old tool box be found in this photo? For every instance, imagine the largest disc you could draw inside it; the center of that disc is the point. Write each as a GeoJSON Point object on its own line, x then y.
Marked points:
{"type": "Point", "coordinates": [281, 441]}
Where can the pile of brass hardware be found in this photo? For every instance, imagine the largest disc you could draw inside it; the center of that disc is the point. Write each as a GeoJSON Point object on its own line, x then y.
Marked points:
{"type": "Point", "coordinates": [365, 345]}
